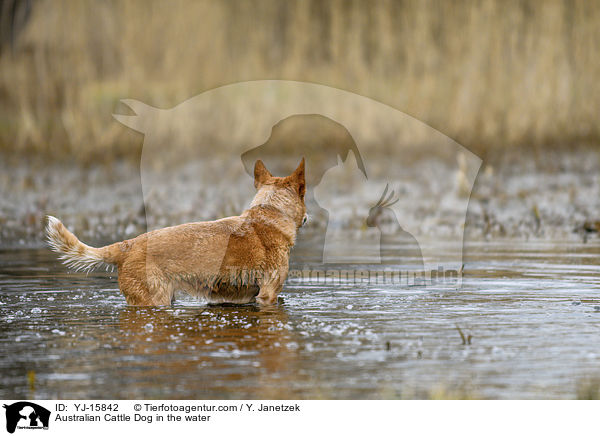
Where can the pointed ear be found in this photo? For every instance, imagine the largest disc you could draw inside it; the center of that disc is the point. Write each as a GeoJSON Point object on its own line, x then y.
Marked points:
{"type": "Point", "coordinates": [261, 174]}
{"type": "Point", "coordinates": [299, 177]}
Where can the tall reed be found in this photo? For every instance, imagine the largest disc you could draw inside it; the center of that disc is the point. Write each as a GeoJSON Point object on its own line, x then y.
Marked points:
{"type": "Point", "coordinates": [487, 73]}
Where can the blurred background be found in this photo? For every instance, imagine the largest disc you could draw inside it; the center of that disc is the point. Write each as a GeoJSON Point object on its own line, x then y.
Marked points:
{"type": "Point", "coordinates": [515, 82]}
{"type": "Point", "coordinates": [507, 74]}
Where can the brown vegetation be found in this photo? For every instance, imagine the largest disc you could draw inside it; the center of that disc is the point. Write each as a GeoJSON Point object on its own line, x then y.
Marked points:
{"type": "Point", "coordinates": [486, 73]}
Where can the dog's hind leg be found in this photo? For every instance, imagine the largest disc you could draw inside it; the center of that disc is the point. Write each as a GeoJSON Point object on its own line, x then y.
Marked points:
{"type": "Point", "coordinates": [270, 286]}
{"type": "Point", "coordinates": [140, 293]}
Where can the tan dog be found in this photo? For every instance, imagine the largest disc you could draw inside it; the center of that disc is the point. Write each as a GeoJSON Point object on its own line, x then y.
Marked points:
{"type": "Point", "coordinates": [238, 259]}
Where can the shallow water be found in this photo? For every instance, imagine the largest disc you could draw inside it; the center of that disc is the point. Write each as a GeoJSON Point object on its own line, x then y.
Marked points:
{"type": "Point", "coordinates": [532, 309]}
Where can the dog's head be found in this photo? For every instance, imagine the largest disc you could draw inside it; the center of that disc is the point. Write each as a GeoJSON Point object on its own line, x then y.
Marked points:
{"type": "Point", "coordinates": [283, 193]}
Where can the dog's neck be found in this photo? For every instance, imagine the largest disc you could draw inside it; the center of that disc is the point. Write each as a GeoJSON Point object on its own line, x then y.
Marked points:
{"type": "Point", "coordinates": [273, 207]}
{"type": "Point", "coordinates": [277, 199]}
{"type": "Point", "coordinates": [275, 218]}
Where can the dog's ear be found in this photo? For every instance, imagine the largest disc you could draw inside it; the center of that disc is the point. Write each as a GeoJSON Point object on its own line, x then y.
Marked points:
{"type": "Point", "coordinates": [261, 173]}
{"type": "Point", "coordinates": [299, 178]}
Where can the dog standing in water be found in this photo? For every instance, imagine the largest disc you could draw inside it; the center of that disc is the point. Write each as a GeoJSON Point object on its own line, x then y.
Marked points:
{"type": "Point", "coordinates": [238, 259]}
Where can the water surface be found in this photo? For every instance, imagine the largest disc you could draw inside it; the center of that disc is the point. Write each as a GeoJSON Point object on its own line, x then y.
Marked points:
{"type": "Point", "coordinates": [532, 309]}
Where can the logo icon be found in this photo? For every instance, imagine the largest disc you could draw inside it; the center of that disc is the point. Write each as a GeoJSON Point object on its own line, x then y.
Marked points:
{"type": "Point", "coordinates": [26, 415]}
{"type": "Point", "coordinates": [384, 191]}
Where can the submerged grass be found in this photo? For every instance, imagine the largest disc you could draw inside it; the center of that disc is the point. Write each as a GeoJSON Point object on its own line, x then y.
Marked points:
{"type": "Point", "coordinates": [466, 340]}
{"type": "Point", "coordinates": [489, 74]}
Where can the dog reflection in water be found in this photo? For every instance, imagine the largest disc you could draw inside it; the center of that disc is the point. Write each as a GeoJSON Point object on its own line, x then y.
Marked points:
{"type": "Point", "coordinates": [213, 347]}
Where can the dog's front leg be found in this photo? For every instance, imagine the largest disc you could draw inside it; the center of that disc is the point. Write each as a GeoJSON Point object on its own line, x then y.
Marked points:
{"type": "Point", "coordinates": [271, 285]}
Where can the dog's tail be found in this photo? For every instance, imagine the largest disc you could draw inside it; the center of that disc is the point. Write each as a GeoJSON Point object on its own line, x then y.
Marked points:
{"type": "Point", "coordinates": [75, 253]}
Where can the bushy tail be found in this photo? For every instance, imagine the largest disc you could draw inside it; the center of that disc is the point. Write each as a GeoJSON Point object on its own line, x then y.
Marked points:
{"type": "Point", "coordinates": [74, 253]}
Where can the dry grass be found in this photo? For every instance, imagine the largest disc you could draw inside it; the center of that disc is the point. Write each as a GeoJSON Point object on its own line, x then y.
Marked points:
{"type": "Point", "coordinates": [588, 389]}
{"type": "Point", "coordinates": [486, 73]}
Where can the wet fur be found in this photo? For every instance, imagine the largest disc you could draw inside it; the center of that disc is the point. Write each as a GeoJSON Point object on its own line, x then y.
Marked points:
{"type": "Point", "coordinates": [236, 259]}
